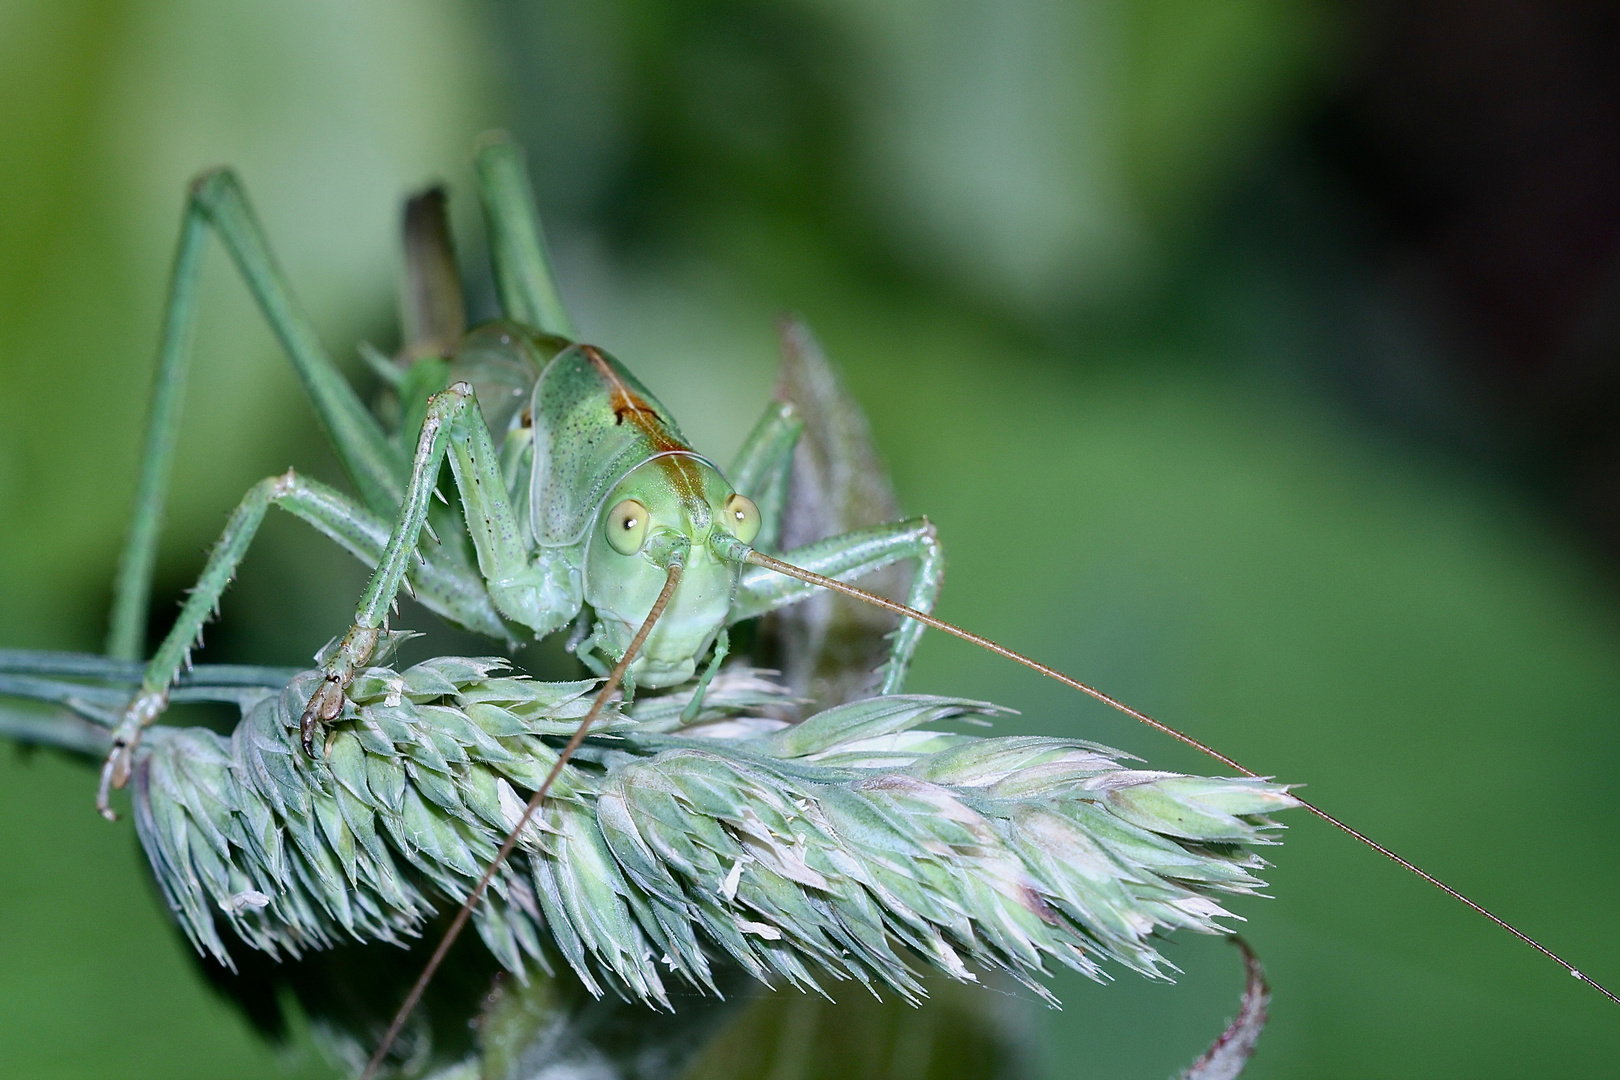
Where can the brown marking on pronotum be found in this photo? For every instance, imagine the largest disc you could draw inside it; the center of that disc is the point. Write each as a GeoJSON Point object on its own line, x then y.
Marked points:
{"type": "Point", "coordinates": [627, 404]}
{"type": "Point", "coordinates": [680, 470]}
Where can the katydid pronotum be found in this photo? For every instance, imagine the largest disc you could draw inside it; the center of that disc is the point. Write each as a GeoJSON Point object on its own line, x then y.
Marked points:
{"type": "Point", "coordinates": [583, 503]}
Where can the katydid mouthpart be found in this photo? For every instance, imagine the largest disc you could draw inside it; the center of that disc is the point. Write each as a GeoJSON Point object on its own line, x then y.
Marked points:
{"type": "Point", "coordinates": [576, 489]}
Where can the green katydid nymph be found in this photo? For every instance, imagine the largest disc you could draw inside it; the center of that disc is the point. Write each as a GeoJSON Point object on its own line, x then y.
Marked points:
{"type": "Point", "coordinates": [578, 491]}
{"type": "Point", "coordinates": [580, 503]}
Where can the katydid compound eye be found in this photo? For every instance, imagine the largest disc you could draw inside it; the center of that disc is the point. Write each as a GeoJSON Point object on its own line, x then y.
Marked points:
{"type": "Point", "coordinates": [742, 518]}
{"type": "Point", "coordinates": [627, 527]}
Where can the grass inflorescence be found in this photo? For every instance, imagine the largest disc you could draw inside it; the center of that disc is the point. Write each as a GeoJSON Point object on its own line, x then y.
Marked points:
{"type": "Point", "coordinates": [846, 846]}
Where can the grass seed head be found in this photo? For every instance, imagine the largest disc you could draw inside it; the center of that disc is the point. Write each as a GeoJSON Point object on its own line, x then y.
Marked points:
{"type": "Point", "coordinates": [854, 845]}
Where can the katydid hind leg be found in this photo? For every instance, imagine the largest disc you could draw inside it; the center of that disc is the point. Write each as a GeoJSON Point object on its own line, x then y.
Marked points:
{"type": "Point", "coordinates": [828, 483]}
{"type": "Point", "coordinates": [217, 202]}
{"type": "Point", "coordinates": [852, 555]}
{"type": "Point", "coordinates": [132, 589]}
{"type": "Point", "coordinates": [523, 277]}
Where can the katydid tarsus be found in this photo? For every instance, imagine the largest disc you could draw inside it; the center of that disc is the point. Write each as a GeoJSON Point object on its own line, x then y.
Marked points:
{"type": "Point", "coordinates": [584, 505]}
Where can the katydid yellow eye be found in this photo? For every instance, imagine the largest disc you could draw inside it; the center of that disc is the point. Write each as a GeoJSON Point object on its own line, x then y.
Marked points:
{"type": "Point", "coordinates": [742, 518]}
{"type": "Point", "coordinates": [627, 527]}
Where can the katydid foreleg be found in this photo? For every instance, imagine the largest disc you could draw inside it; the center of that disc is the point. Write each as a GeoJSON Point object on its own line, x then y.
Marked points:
{"type": "Point", "coordinates": [851, 555]}
{"type": "Point", "coordinates": [535, 592]}
{"type": "Point", "coordinates": [761, 470]}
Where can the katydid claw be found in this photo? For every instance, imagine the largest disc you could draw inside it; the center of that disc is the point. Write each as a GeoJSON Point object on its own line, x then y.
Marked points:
{"type": "Point", "coordinates": [325, 704]}
{"type": "Point", "coordinates": [114, 765]}
{"type": "Point", "coordinates": [147, 707]}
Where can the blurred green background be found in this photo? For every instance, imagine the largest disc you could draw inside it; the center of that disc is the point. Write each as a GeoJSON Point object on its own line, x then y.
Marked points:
{"type": "Point", "coordinates": [1256, 358]}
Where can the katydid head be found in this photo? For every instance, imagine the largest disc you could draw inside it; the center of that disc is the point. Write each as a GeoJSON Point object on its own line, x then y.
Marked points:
{"type": "Point", "coordinates": [673, 502]}
{"type": "Point", "coordinates": [614, 481]}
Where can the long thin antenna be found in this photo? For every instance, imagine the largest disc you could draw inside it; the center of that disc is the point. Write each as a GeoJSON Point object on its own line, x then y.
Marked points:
{"type": "Point", "coordinates": [884, 602]}
{"type": "Point", "coordinates": [614, 678]}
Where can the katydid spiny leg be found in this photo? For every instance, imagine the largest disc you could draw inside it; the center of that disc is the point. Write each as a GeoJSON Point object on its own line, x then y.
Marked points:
{"type": "Point", "coordinates": [851, 555]}
{"type": "Point", "coordinates": [354, 651]}
{"type": "Point", "coordinates": [450, 590]}
{"type": "Point", "coordinates": [762, 470]}
{"type": "Point", "coordinates": [527, 591]}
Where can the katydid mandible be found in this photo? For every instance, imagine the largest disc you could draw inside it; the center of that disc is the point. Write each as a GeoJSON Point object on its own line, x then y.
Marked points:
{"type": "Point", "coordinates": [583, 503]}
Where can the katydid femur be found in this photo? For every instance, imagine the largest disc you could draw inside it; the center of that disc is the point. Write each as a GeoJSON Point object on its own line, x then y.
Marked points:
{"type": "Point", "coordinates": [583, 503]}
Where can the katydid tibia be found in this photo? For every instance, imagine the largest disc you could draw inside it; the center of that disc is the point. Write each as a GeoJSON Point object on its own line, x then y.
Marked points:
{"type": "Point", "coordinates": [584, 505]}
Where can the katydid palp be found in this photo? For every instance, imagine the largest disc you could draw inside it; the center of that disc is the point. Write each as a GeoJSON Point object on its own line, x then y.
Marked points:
{"type": "Point", "coordinates": [582, 501]}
